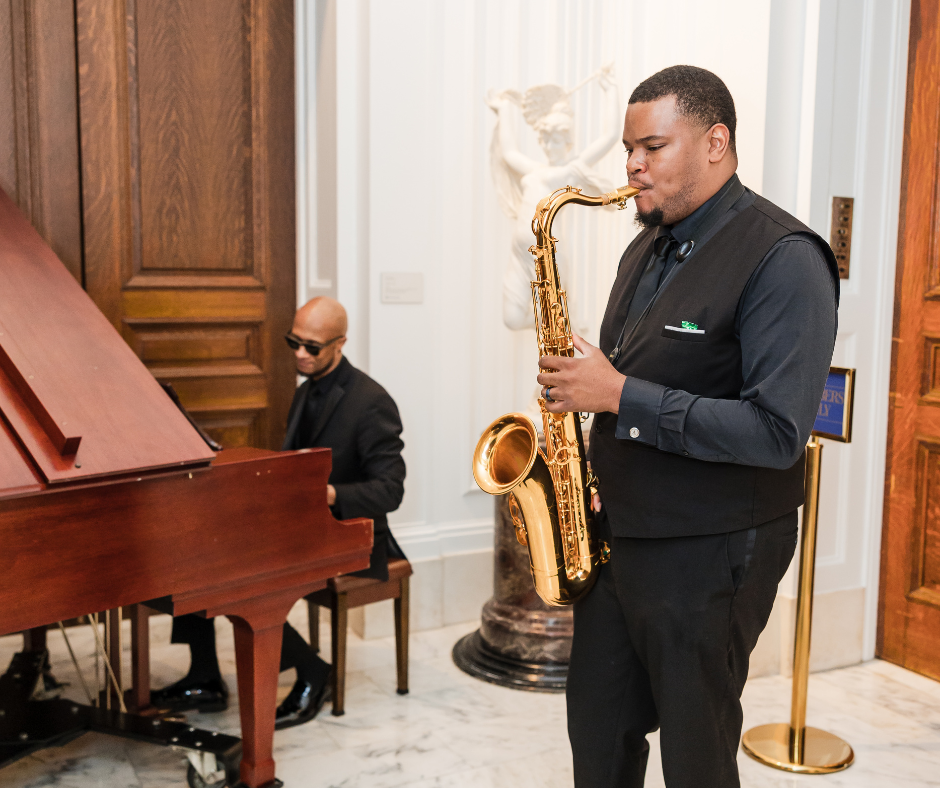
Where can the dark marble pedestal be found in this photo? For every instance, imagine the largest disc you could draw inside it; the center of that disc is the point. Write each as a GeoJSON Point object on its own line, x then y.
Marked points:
{"type": "Point", "coordinates": [521, 642]}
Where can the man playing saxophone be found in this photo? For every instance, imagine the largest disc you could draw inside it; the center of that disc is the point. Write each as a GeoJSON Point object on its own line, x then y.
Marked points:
{"type": "Point", "coordinates": [714, 351]}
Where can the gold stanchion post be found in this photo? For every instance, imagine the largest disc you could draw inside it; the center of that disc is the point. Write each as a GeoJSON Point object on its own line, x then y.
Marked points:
{"type": "Point", "coordinates": [796, 747]}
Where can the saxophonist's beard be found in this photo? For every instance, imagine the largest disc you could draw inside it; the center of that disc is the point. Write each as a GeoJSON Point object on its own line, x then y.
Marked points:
{"type": "Point", "coordinates": [673, 209]}
{"type": "Point", "coordinates": [646, 220]}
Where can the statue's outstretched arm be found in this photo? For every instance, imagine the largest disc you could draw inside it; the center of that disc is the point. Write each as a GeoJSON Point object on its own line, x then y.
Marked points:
{"type": "Point", "coordinates": [501, 104]}
{"type": "Point", "coordinates": [613, 121]}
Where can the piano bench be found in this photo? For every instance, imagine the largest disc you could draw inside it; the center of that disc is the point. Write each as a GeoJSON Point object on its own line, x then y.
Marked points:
{"type": "Point", "coordinates": [345, 592]}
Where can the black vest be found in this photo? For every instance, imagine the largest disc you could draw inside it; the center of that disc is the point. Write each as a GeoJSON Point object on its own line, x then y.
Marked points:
{"type": "Point", "coordinates": [651, 493]}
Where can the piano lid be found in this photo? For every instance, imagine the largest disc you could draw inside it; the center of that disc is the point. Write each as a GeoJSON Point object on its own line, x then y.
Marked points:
{"type": "Point", "coordinates": [78, 400]}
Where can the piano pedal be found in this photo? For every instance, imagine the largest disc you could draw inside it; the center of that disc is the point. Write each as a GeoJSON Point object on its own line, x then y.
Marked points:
{"type": "Point", "coordinates": [170, 716]}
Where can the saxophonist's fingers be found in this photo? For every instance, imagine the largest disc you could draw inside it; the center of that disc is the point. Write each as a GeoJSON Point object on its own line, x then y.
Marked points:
{"type": "Point", "coordinates": [582, 345]}
{"type": "Point", "coordinates": [550, 394]}
{"type": "Point", "coordinates": [555, 362]}
{"type": "Point", "coordinates": [547, 378]}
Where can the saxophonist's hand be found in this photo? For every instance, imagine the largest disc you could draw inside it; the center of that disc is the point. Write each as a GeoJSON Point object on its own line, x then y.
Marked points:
{"type": "Point", "coordinates": [589, 384]}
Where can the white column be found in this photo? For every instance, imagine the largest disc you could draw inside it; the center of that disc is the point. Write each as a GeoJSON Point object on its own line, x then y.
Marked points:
{"type": "Point", "coordinates": [352, 173]}
{"type": "Point", "coordinates": [782, 130]}
{"type": "Point", "coordinates": [315, 95]}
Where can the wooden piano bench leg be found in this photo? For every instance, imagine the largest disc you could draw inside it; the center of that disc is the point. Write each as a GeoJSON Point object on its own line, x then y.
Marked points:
{"type": "Point", "coordinates": [401, 636]}
{"type": "Point", "coordinates": [313, 621]}
{"type": "Point", "coordinates": [339, 620]}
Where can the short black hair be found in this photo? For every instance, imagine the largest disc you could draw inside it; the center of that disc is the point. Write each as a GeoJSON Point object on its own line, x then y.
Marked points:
{"type": "Point", "coordinates": [700, 96]}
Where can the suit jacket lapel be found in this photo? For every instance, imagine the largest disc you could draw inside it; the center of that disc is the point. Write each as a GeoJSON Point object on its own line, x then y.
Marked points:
{"type": "Point", "coordinates": [293, 417]}
{"type": "Point", "coordinates": [326, 410]}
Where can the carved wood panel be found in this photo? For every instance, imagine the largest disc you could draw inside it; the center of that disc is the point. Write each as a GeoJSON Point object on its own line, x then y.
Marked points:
{"type": "Point", "coordinates": [909, 611]}
{"type": "Point", "coordinates": [194, 79]}
{"type": "Point", "coordinates": [925, 542]}
{"type": "Point", "coordinates": [930, 390]}
{"type": "Point", "coordinates": [187, 129]}
{"type": "Point", "coordinates": [39, 121]}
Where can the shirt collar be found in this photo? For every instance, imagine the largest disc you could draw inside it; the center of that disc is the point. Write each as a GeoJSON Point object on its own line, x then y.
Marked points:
{"type": "Point", "coordinates": [324, 384]}
{"type": "Point", "coordinates": [687, 227]}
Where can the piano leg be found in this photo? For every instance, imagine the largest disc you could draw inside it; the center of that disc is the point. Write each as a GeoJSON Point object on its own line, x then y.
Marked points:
{"type": "Point", "coordinates": [259, 628]}
{"type": "Point", "coordinates": [138, 697]}
{"type": "Point", "coordinates": [257, 658]}
{"type": "Point", "coordinates": [34, 639]}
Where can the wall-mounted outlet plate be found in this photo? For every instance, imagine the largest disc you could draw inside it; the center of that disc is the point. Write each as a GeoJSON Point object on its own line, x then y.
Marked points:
{"type": "Point", "coordinates": [402, 288]}
{"type": "Point", "coordinates": [840, 237]}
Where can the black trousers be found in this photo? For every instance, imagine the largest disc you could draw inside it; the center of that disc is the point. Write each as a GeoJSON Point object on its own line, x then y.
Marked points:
{"type": "Point", "coordinates": [199, 633]}
{"type": "Point", "coordinates": [296, 653]}
{"type": "Point", "coordinates": [663, 641]}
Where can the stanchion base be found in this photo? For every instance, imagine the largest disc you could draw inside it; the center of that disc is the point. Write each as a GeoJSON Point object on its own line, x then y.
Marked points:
{"type": "Point", "coordinates": [822, 752]}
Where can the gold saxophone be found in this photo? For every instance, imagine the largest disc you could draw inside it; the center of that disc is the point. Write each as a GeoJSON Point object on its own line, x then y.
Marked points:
{"type": "Point", "coordinates": [549, 491]}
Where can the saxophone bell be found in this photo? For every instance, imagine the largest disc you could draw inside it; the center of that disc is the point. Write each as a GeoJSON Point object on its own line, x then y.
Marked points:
{"type": "Point", "coordinates": [507, 460]}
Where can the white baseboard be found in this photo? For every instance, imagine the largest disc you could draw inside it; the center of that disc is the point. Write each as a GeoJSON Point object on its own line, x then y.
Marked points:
{"type": "Point", "coordinates": [446, 589]}
{"type": "Point", "coordinates": [421, 540]}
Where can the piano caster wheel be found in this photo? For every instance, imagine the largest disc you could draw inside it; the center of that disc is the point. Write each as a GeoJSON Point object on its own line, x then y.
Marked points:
{"type": "Point", "coordinates": [194, 779]}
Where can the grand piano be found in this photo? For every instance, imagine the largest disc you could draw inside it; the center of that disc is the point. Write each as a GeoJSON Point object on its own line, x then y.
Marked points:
{"type": "Point", "coordinates": [109, 497]}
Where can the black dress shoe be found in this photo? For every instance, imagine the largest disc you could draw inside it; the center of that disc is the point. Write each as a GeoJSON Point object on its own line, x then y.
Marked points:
{"type": "Point", "coordinates": [189, 695]}
{"type": "Point", "coordinates": [303, 703]}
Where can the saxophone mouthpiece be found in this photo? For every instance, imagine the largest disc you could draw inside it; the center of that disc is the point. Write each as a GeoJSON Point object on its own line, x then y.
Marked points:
{"type": "Point", "coordinates": [620, 196]}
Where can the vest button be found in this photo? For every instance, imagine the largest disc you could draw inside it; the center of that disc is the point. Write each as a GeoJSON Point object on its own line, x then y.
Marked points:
{"type": "Point", "coordinates": [686, 453]}
{"type": "Point", "coordinates": [634, 432]}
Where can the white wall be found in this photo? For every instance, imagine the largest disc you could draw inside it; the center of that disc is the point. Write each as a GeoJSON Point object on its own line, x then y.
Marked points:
{"type": "Point", "coordinates": [413, 193]}
{"type": "Point", "coordinates": [842, 116]}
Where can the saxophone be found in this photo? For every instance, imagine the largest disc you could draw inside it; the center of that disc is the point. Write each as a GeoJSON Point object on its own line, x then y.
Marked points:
{"type": "Point", "coordinates": [549, 491]}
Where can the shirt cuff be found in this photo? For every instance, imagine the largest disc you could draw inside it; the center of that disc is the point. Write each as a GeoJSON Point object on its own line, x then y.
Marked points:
{"type": "Point", "coordinates": [638, 419]}
{"type": "Point", "coordinates": [673, 413]}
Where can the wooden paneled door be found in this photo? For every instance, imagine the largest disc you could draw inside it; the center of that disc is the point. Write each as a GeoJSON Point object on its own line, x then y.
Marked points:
{"type": "Point", "coordinates": [909, 612]}
{"type": "Point", "coordinates": [186, 117]}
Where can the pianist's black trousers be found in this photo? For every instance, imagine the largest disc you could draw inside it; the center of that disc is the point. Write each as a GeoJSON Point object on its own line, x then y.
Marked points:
{"type": "Point", "coordinates": [199, 633]}
{"type": "Point", "coordinates": [663, 640]}
{"type": "Point", "coordinates": [296, 653]}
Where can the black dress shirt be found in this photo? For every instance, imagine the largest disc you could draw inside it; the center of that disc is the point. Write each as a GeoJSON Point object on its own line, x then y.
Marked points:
{"type": "Point", "coordinates": [316, 393]}
{"type": "Point", "coordinates": [786, 319]}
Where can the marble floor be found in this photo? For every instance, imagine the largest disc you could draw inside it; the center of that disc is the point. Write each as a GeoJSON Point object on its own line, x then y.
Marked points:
{"type": "Point", "coordinates": [453, 731]}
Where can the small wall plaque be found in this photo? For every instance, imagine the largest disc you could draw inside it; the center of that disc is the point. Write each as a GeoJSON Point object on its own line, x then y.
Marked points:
{"type": "Point", "coordinates": [834, 417]}
{"type": "Point", "coordinates": [840, 236]}
{"type": "Point", "coordinates": [402, 288]}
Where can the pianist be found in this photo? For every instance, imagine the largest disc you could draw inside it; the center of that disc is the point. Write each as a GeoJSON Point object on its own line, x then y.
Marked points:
{"type": "Point", "coordinates": [343, 409]}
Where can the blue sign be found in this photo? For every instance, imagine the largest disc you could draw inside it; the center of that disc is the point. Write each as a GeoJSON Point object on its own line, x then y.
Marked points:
{"type": "Point", "coordinates": [833, 419]}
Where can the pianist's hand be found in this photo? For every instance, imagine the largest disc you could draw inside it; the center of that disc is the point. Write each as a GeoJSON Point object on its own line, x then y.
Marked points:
{"type": "Point", "coordinates": [330, 495]}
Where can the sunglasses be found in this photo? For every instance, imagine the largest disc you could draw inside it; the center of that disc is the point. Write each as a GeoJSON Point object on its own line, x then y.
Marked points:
{"type": "Point", "coordinates": [313, 348]}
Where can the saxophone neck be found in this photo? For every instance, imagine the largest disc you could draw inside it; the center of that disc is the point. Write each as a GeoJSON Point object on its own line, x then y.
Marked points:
{"type": "Point", "coordinates": [549, 206]}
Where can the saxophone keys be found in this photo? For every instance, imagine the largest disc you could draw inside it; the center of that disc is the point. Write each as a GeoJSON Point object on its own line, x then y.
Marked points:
{"type": "Point", "coordinates": [518, 523]}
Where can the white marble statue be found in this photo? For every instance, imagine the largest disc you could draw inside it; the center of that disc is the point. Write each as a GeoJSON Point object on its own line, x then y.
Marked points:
{"type": "Point", "coordinates": [521, 182]}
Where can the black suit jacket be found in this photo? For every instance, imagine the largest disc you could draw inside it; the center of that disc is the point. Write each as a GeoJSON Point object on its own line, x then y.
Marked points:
{"type": "Point", "coordinates": [359, 422]}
